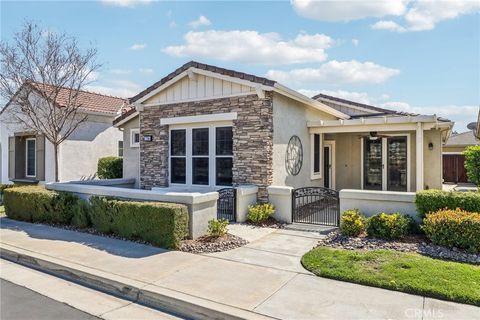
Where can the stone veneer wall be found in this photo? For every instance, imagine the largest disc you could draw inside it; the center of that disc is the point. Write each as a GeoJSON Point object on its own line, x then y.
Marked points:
{"type": "Point", "coordinates": [252, 139]}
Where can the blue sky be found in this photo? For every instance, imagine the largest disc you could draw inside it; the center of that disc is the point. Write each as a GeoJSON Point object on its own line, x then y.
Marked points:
{"type": "Point", "coordinates": [415, 56]}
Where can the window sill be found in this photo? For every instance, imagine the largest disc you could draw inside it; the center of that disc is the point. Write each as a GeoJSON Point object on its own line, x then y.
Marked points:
{"type": "Point", "coordinates": [25, 181]}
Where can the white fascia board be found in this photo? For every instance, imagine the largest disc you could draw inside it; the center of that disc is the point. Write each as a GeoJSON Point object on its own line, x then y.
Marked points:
{"type": "Point", "coordinates": [370, 111]}
{"type": "Point", "coordinates": [374, 121]}
{"type": "Point", "coordinates": [281, 89]}
{"type": "Point", "coordinates": [200, 118]}
{"type": "Point", "coordinates": [130, 117]}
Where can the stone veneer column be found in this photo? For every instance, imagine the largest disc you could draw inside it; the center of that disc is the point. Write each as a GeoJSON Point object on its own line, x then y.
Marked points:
{"type": "Point", "coordinates": [252, 139]}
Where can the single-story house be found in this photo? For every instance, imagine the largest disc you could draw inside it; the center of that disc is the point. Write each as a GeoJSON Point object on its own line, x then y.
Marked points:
{"type": "Point", "coordinates": [28, 157]}
{"type": "Point", "coordinates": [453, 160]}
{"type": "Point", "coordinates": [204, 127]}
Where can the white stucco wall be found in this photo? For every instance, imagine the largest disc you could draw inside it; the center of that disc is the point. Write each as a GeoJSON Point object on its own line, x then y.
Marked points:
{"type": "Point", "coordinates": [131, 155]}
{"type": "Point", "coordinates": [290, 118]}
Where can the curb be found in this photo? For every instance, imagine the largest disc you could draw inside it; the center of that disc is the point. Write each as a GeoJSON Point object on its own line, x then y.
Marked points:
{"type": "Point", "coordinates": [175, 302]}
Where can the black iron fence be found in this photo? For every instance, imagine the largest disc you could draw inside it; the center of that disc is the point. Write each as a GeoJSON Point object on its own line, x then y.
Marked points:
{"type": "Point", "coordinates": [316, 205]}
{"type": "Point", "coordinates": [226, 204]}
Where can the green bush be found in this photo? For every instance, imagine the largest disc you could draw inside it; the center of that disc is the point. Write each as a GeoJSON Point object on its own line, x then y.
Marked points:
{"type": "Point", "coordinates": [218, 227]}
{"type": "Point", "coordinates": [352, 223]}
{"type": "Point", "coordinates": [37, 204]}
{"type": "Point", "coordinates": [110, 167]}
{"type": "Point", "coordinates": [433, 200]}
{"type": "Point", "coordinates": [389, 226]}
{"type": "Point", "coordinates": [6, 186]}
{"type": "Point", "coordinates": [162, 224]}
{"type": "Point", "coordinates": [454, 228]}
{"type": "Point", "coordinates": [260, 212]}
{"type": "Point", "coordinates": [472, 163]}
{"type": "Point", "coordinates": [81, 214]}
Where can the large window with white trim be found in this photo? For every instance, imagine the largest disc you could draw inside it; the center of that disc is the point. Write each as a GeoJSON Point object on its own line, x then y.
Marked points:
{"type": "Point", "coordinates": [201, 155]}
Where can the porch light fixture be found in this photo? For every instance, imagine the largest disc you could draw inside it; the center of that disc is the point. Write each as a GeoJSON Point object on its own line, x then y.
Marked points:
{"type": "Point", "coordinates": [430, 146]}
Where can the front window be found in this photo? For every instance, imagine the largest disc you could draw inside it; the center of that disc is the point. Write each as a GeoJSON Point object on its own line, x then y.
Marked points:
{"type": "Point", "coordinates": [120, 148]}
{"type": "Point", "coordinates": [201, 156]}
{"type": "Point", "coordinates": [31, 155]}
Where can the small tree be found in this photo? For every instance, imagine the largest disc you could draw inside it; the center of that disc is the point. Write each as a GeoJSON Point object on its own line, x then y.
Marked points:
{"type": "Point", "coordinates": [472, 163]}
{"type": "Point", "coordinates": [37, 68]}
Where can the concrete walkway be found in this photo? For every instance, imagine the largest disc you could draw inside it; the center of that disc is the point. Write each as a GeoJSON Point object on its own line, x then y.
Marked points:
{"type": "Point", "coordinates": [264, 277]}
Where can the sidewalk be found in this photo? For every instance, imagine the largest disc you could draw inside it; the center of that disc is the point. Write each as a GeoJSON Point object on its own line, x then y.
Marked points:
{"type": "Point", "coordinates": [265, 277]}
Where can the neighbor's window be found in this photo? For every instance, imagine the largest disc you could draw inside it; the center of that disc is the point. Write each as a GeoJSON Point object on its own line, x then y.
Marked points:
{"type": "Point", "coordinates": [31, 155]}
{"type": "Point", "coordinates": [178, 156]}
{"type": "Point", "coordinates": [224, 156]}
{"type": "Point", "coordinates": [135, 138]}
{"type": "Point", "coordinates": [120, 148]}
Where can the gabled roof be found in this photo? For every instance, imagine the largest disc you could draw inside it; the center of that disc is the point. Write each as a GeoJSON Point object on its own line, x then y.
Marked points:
{"type": "Point", "coordinates": [462, 139]}
{"type": "Point", "coordinates": [364, 109]}
{"type": "Point", "coordinates": [207, 67]}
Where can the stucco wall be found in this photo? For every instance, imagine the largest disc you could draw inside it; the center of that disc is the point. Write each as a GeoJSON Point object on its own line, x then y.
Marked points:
{"type": "Point", "coordinates": [93, 139]}
{"type": "Point", "coordinates": [290, 118]}
{"type": "Point", "coordinates": [453, 149]}
{"type": "Point", "coordinates": [131, 155]}
{"type": "Point", "coordinates": [433, 161]}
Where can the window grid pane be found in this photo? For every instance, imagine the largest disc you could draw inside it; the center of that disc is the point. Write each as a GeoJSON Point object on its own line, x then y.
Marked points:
{"type": "Point", "coordinates": [200, 170]}
{"type": "Point", "coordinates": [224, 171]}
{"type": "Point", "coordinates": [177, 142]}
{"type": "Point", "coordinates": [224, 141]}
{"type": "Point", "coordinates": [178, 170]}
{"type": "Point", "coordinates": [200, 142]}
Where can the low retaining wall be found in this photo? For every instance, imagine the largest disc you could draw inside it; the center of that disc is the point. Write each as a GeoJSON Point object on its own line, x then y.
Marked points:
{"type": "Point", "coordinates": [202, 207]}
{"type": "Point", "coordinates": [119, 183]}
{"type": "Point", "coordinates": [371, 202]}
{"type": "Point", "coordinates": [281, 198]}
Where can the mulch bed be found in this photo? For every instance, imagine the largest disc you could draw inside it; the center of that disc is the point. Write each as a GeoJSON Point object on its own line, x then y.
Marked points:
{"type": "Point", "coordinates": [416, 244]}
{"type": "Point", "coordinates": [209, 244]}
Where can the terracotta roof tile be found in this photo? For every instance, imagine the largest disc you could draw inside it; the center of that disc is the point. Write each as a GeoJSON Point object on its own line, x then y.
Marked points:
{"type": "Point", "coordinates": [89, 101]}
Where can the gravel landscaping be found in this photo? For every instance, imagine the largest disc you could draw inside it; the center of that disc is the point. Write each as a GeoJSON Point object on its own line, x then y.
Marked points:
{"type": "Point", "coordinates": [209, 244]}
{"type": "Point", "coordinates": [269, 223]}
{"type": "Point", "coordinates": [412, 244]}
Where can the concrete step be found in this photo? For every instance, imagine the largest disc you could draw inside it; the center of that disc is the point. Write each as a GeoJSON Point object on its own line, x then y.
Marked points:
{"type": "Point", "coordinates": [160, 298]}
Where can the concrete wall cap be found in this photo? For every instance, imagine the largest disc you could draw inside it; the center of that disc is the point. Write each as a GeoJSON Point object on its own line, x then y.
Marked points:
{"type": "Point", "coordinates": [136, 194]}
{"type": "Point", "coordinates": [104, 182]}
{"type": "Point", "coordinates": [280, 190]}
{"type": "Point", "coordinates": [245, 190]}
{"type": "Point", "coordinates": [377, 195]}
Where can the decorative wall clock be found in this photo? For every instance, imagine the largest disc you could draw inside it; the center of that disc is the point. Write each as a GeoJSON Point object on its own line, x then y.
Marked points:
{"type": "Point", "coordinates": [294, 156]}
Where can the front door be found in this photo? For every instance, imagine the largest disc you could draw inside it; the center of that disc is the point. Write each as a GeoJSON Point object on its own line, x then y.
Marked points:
{"type": "Point", "coordinates": [385, 164]}
{"type": "Point", "coordinates": [328, 165]}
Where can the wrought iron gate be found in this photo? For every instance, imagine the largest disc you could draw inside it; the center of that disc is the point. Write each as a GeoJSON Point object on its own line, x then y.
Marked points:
{"type": "Point", "coordinates": [226, 204]}
{"type": "Point", "coordinates": [316, 205]}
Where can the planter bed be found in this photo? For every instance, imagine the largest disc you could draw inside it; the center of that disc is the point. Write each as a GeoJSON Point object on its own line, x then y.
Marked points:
{"type": "Point", "coordinates": [401, 271]}
{"type": "Point", "coordinates": [210, 244]}
{"type": "Point", "coordinates": [416, 244]}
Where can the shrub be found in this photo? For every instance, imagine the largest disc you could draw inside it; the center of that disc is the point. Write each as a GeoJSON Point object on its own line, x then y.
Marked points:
{"type": "Point", "coordinates": [472, 163]}
{"type": "Point", "coordinates": [454, 228]}
{"type": "Point", "coordinates": [161, 224]}
{"type": "Point", "coordinates": [260, 212]}
{"type": "Point", "coordinates": [352, 223]}
{"type": "Point", "coordinates": [37, 204]}
{"type": "Point", "coordinates": [388, 226]}
{"type": "Point", "coordinates": [6, 186]}
{"type": "Point", "coordinates": [81, 214]}
{"type": "Point", "coordinates": [218, 228]}
{"type": "Point", "coordinates": [433, 200]}
{"type": "Point", "coordinates": [110, 167]}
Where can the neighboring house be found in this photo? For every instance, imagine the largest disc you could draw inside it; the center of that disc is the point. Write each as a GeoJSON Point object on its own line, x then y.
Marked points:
{"type": "Point", "coordinates": [204, 127]}
{"type": "Point", "coordinates": [453, 159]}
{"type": "Point", "coordinates": [28, 157]}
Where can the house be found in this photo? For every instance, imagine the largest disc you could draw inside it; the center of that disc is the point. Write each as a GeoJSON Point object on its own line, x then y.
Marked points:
{"type": "Point", "coordinates": [453, 160]}
{"type": "Point", "coordinates": [204, 127]}
{"type": "Point", "coordinates": [29, 157]}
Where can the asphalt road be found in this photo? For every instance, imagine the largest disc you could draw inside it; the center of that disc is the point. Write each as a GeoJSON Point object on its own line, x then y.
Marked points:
{"type": "Point", "coordinates": [19, 303]}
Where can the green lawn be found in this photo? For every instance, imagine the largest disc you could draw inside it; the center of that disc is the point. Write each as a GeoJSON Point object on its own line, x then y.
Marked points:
{"type": "Point", "coordinates": [406, 272]}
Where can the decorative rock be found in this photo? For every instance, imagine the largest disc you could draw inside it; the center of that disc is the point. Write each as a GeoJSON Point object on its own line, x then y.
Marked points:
{"type": "Point", "coordinates": [212, 244]}
{"type": "Point", "coordinates": [336, 240]}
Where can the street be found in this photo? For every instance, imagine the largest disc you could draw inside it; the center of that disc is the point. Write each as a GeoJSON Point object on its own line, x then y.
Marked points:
{"type": "Point", "coordinates": [18, 303]}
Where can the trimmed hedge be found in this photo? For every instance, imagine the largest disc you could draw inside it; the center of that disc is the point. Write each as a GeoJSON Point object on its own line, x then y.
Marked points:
{"type": "Point", "coordinates": [454, 228]}
{"type": "Point", "coordinates": [352, 223]}
{"type": "Point", "coordinates": [162, 224]}
{"type": "Point", "coordinates": [472, 163]}
{"type": "Point", "coordinates": [37, 204]}
{"type": "Point", "coordinates": [6, 186]}
{"type": "Point", "coordinates": [389, 226]}
{"type": "Point", "coordinates": [110, 167]}
{"type": "Point", "coordinates": [433, 200]}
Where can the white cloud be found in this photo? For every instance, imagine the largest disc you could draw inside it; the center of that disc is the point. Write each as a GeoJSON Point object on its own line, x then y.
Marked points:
{"type": "Point", "coordinates": [126, 3]}
{"type": "Point", "coordinates": [328, 10]}
{"type": "Point", "coordinates": [138, 46]}
{"type": "Point", "coordinates": [120, 71]}
{"type": "Point", "coordinates": [252, 47]}
{"type": "Point", "coordinates": [146, 70]}
{"type": "Point", "coordinates": [117, 88]}
{"type": "Point", "coordinates": [201, 21]}
{"type": "Point", "coordinates": [172, 24]}
{"type": "Point", "coordinates": [355, 42]}
{"type": "Point", "coordinates": [388, 25]}
{"type": "Point", "coordinates": [425, 14]}
{"type": "Point", "coordinates": [336, 72]}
